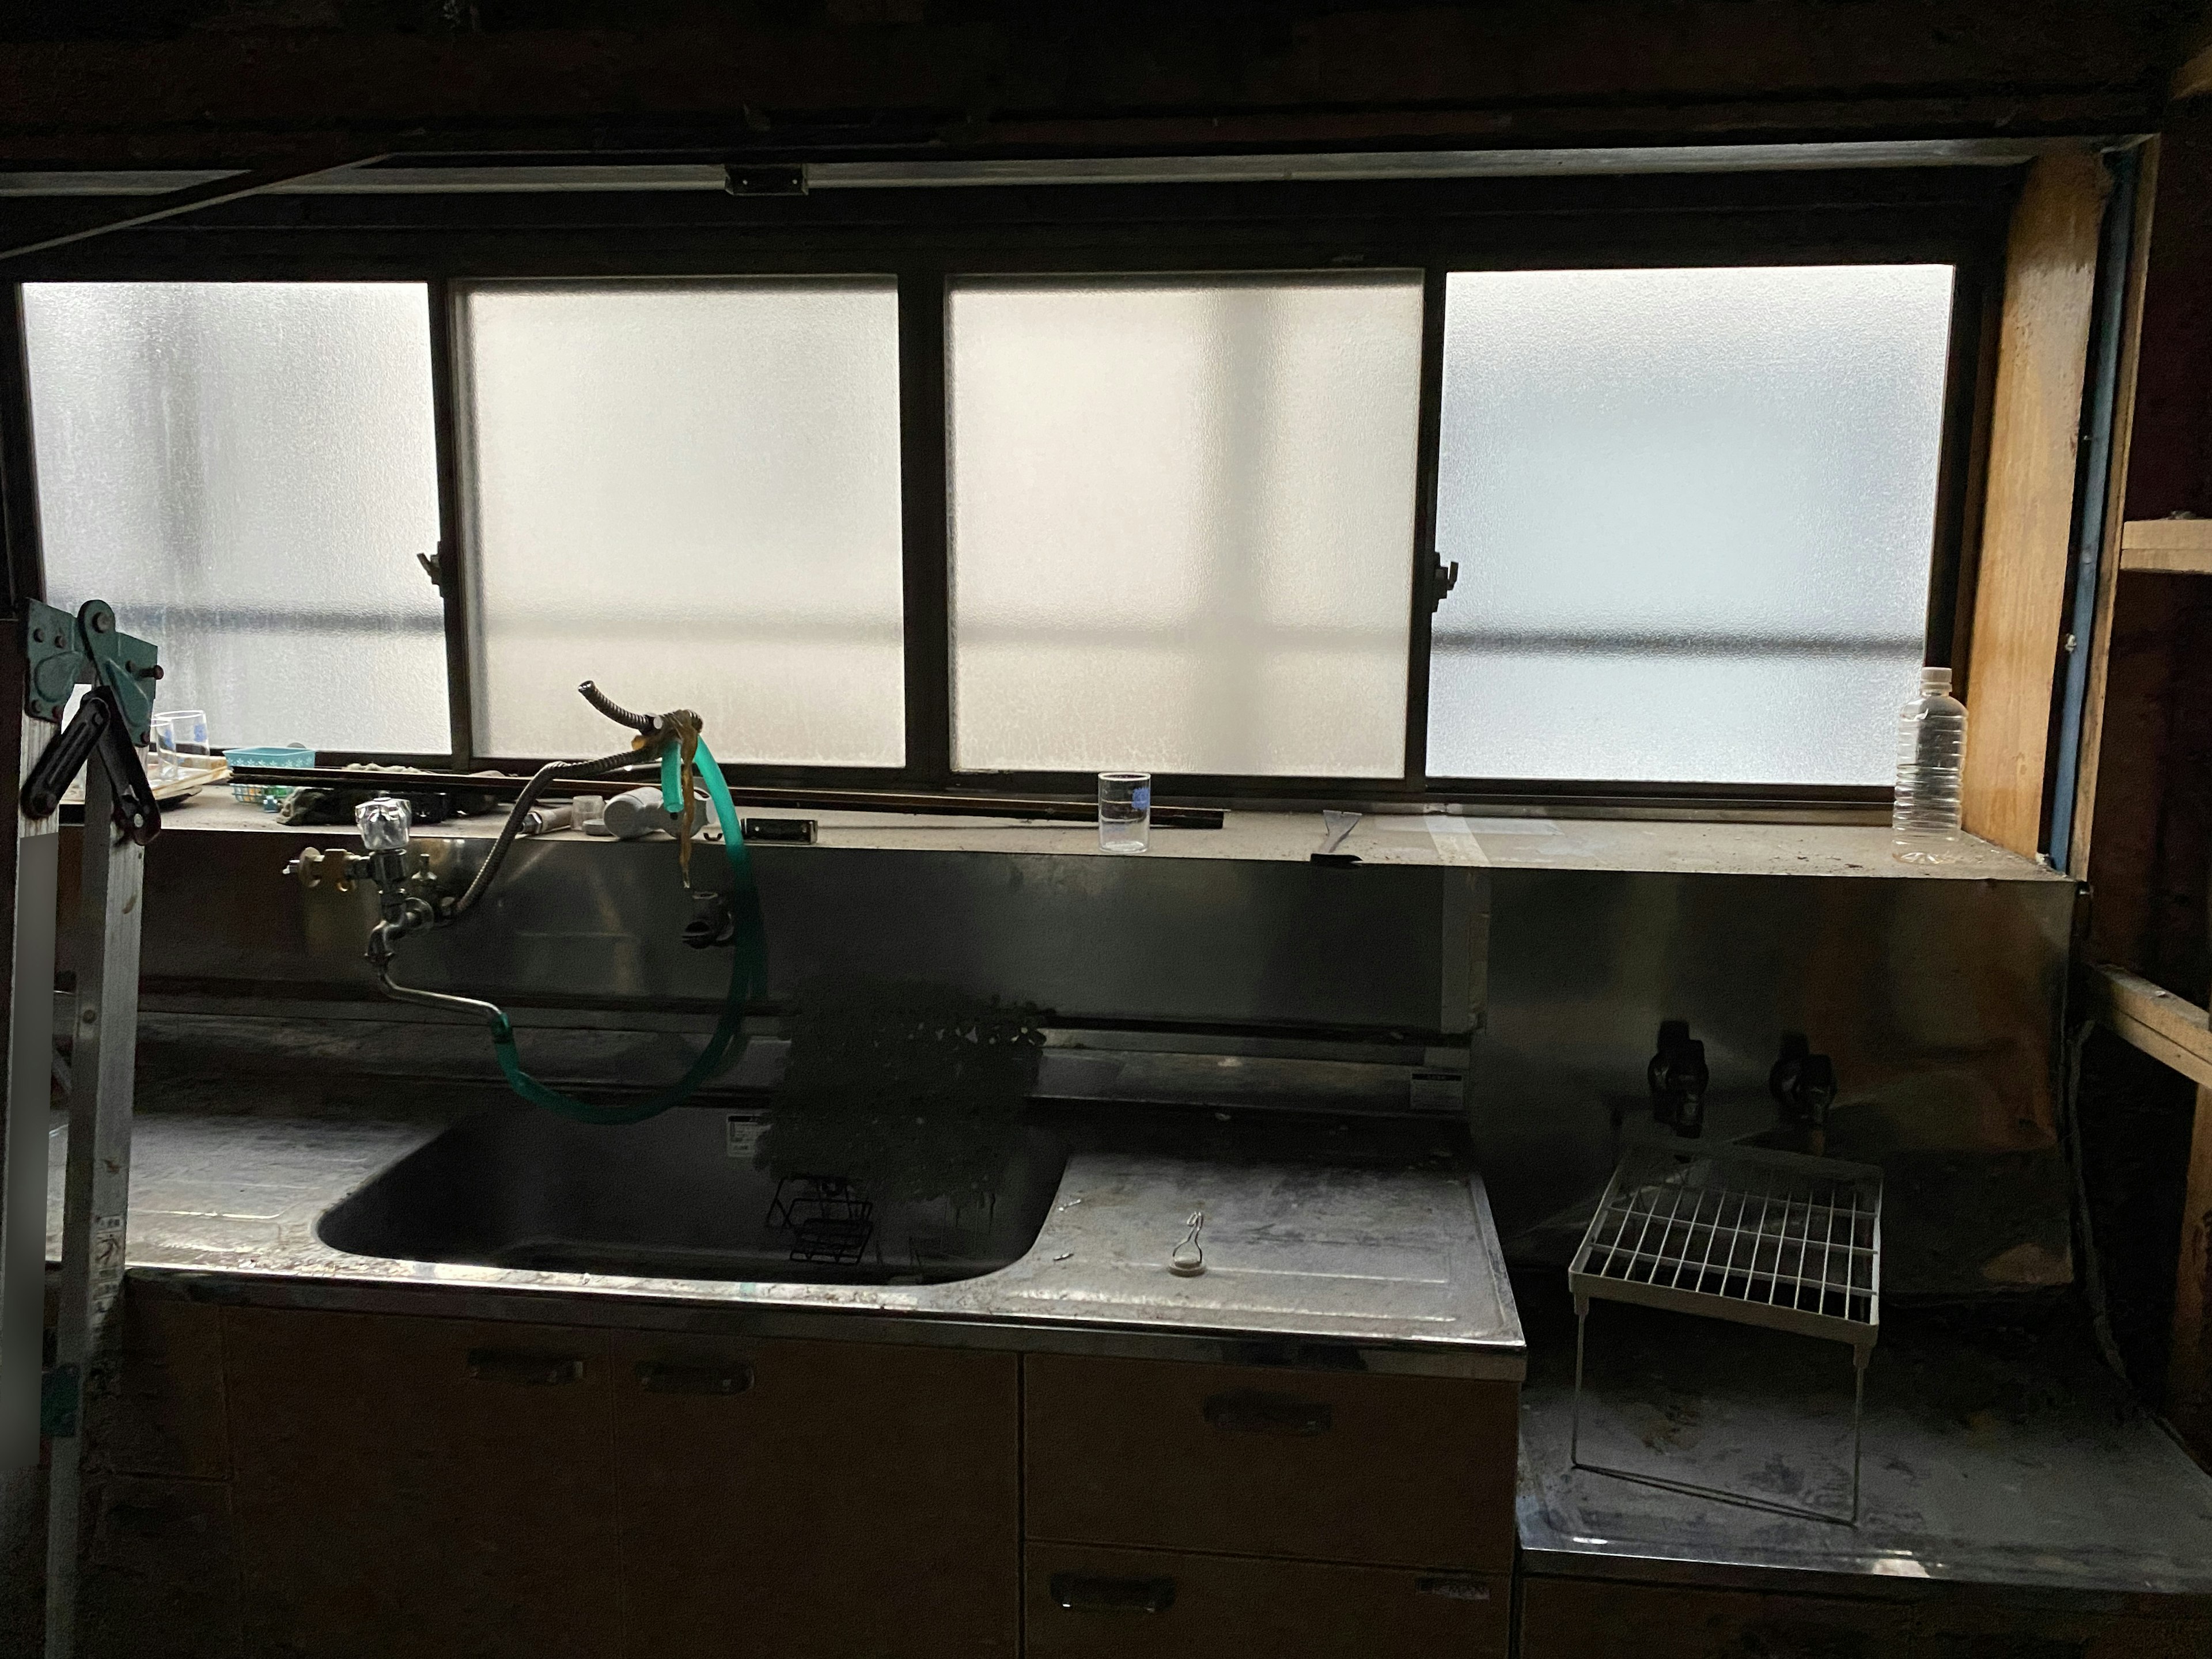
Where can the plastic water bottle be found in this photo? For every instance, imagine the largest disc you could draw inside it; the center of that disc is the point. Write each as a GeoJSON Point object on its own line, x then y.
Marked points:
{"type": "Point", "coordinates": [1931, 737]}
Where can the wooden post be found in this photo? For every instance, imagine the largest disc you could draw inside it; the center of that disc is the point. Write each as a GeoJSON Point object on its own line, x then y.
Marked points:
{"type": "Point", "coordinates": [2189, 1364]}
{"type": "Point", "coordinates": [2027, 522]}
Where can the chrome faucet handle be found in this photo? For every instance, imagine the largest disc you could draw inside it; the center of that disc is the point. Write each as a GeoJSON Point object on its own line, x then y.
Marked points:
{"type": "Point", "coordinates": [1188, 1259]}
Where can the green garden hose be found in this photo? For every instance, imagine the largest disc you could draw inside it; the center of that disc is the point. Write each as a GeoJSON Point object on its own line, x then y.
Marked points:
{"type": "Point", "coordinates": [747, 973]}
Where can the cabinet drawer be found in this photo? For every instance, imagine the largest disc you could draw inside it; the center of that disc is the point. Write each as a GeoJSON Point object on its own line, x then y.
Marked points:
{"type": "Point", "coordinates": [1410, 1471]}
{"type": "Point", "coordinates": [1084, 1602]}
{"type": "Point", "coordinates": [1577, 1618]}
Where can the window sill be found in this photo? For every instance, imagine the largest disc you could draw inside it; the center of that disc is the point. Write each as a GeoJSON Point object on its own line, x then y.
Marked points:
{"type": "Point", "coordinates": [1417, 839]}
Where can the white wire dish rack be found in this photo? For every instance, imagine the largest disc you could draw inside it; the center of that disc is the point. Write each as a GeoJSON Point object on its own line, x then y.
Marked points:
{"type": "Point", "coordinates": [1774, 1239]}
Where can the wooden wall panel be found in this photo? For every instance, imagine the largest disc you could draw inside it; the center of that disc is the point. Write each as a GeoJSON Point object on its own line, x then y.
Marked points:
{"type": "Point", "coordinates": [2027, 523]}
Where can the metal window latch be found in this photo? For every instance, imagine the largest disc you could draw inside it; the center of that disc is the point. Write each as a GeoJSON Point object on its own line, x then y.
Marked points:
{"type": "Point", "coordinates": [1443, 578]}
{"type": "Point", "coordinates": [434, 567]}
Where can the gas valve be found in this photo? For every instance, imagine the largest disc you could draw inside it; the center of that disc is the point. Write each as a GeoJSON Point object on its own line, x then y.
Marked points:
{"type": "Point", "coordinates": [1803, 1083]}
{"type": "Point", "coordinates": [1679, 1079]}
{"type": "Point", "coordinates": [314, 867]}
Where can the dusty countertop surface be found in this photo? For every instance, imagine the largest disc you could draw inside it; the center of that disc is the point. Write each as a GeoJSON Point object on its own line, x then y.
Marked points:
{"type": "Point", "coordinates": [1999, 1450]}
{"type": "Point", "coordinates": [1400, 1263]}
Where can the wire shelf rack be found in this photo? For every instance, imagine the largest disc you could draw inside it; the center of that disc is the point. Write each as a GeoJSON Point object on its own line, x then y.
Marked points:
{"type": "Point", "coordinates": [1756, 1237]}
{"type": "Point", "coordinates": [1791, 1242]}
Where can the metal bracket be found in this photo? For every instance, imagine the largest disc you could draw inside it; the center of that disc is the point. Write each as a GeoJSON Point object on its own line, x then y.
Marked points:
{"type": "Point", "coordinates": [1443, 578]}
{"type": "Point", "coordinates": [63, 651]}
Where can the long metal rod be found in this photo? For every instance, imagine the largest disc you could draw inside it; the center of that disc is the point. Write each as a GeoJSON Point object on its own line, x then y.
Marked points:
{"type": "Point", "coordinates": [2092, 488]}
{"type": "Point", "coordinates": [89, 1333]}
{"type": "Point", "coordinates": [453, 554]}
{"type": "Point", "coordinates": [925, 551]}
{"type": "Point", "coordinates": [1423, 597]}
{"type": "Point", "coordinates": [191, 200]}
{"type": "Point", "coordinates": [503, 785]}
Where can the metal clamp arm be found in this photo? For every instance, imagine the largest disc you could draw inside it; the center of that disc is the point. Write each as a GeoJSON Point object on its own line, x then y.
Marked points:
{"type": "Point", "coordinates": [98, 728]}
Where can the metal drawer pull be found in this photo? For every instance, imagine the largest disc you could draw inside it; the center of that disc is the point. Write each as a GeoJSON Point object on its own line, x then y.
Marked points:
{"type": "Point", "coordinates": [532, 1371]}
{"type": "Point", "coordinates": [1251, 1412]}
{"type": "Point", "coordinates": [1081, 1592]}
{"type": "Point", "coordinates": [1455, 1590]}
{"type": "Point", "coordinates": [655, 1377]}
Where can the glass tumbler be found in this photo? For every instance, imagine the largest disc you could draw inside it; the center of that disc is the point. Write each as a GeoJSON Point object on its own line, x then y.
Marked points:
{"type": "Point", "coordinates": [1125, 810]}
{"type": "Point", "coordinates": [188, 726]}
{"type": "Point", "coordinates": [162, 748]}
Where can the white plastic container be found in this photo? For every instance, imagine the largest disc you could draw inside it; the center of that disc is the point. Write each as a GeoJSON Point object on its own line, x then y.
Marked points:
{"type": "Point", "coordinates": [1931, 742]}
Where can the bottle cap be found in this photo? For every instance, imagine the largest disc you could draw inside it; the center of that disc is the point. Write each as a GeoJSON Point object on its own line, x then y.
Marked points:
{"type": "Point", "coordinates": [1935, 682]}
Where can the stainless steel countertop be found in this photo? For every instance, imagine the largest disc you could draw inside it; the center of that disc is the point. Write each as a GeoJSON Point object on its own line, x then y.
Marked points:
{"type": "Point", "coordinates": [1999, 1451]}
{"type": "Point", "coordinates": [1400, 1265]}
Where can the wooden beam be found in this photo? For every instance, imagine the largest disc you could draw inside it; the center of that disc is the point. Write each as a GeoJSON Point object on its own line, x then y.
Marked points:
{"type": "Point", "coordinates": [2187, 1399]}
{"type": "Point", "coordinates": [2195, 74]}
{"type": "Point", "coordinates": [2111, 557]}
{"type": "Point", "coordinates": [2028, 521]}
{"type": "Point", "coordinates": [2171, 1030]}
{"type": "Point", "coordinates": [2178, 546]}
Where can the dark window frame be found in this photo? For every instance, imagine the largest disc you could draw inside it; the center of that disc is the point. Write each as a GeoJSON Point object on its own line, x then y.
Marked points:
{"type": "Point", "coordinates": [923, 238]}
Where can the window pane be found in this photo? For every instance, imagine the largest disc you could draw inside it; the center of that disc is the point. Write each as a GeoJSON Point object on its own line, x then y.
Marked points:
{"type": "Point", "coordinates": [1693, 511]}
{"type": "Point", "coordinates": [246, 472]}
{"type": "Point", "coordinates": [1183, 521]}
{"type": "Point", "coordinates": [690, 493]}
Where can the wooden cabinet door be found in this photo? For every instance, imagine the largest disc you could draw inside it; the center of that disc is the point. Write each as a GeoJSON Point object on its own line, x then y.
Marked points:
{"type": "Point", "coordinates": [434, 1487]}
{"type": "Point", "coordinates": [819, 1500]}
{"type": "Point", "coordinates": [1326, 1466]}
{"type": "Point", "coordinates": [167, 1416]}
{"type": "Point", "coordinates": [1085, 1602]}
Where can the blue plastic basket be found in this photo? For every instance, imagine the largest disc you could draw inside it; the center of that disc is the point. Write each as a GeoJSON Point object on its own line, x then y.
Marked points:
{"type": "Point", "coordinates": [268, 794]}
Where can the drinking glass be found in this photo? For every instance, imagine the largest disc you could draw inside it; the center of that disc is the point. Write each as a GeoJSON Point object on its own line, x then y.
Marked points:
{"type": "Point", "coordinates": [1125, 810]}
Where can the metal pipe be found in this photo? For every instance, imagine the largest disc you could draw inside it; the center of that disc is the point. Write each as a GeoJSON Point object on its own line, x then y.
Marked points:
{"type": "Point", "coordinates": [573, 779]}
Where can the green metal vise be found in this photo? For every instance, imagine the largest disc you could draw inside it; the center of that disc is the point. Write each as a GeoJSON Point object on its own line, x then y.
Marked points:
{"type": "Point", "coordinates": [110, 726]}
{"type": "Point", "coordinates": [57, 647]}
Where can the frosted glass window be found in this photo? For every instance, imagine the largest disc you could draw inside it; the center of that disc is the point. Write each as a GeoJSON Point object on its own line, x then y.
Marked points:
{"type": "Point", "coordinates": [1693, 511]}
{"type": "Point", "coordinates": [1183, 521]}
{"type": "Point", "coordinates": [690, 493]}
{"type": "Point", "coordinates": [247, 472]}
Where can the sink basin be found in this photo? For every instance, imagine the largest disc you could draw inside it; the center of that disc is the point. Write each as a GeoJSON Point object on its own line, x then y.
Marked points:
{"type": "Point", "coordinates": [677, 1197]}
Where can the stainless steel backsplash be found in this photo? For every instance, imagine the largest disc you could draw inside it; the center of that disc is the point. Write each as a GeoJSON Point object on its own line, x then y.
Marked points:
{"type": "Point", "coordinates": [1940, 1001]}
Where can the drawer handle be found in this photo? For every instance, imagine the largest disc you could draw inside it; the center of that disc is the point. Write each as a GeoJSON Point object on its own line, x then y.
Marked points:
{"type": "Point", "coordinates": [1251, 1412]}
{"type": "Point", "coordinates": [529, 1371]}
{"type": "Point", "coordinates": [1453, 1589]}
{"type": "Point", "coordinates": [1081, 1592]}
{"type": "Point", "coordinates": [656, 1377]}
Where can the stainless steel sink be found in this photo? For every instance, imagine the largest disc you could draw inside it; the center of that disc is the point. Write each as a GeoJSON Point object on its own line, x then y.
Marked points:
{"type": "Point", "coordinates": [676, 1197]}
